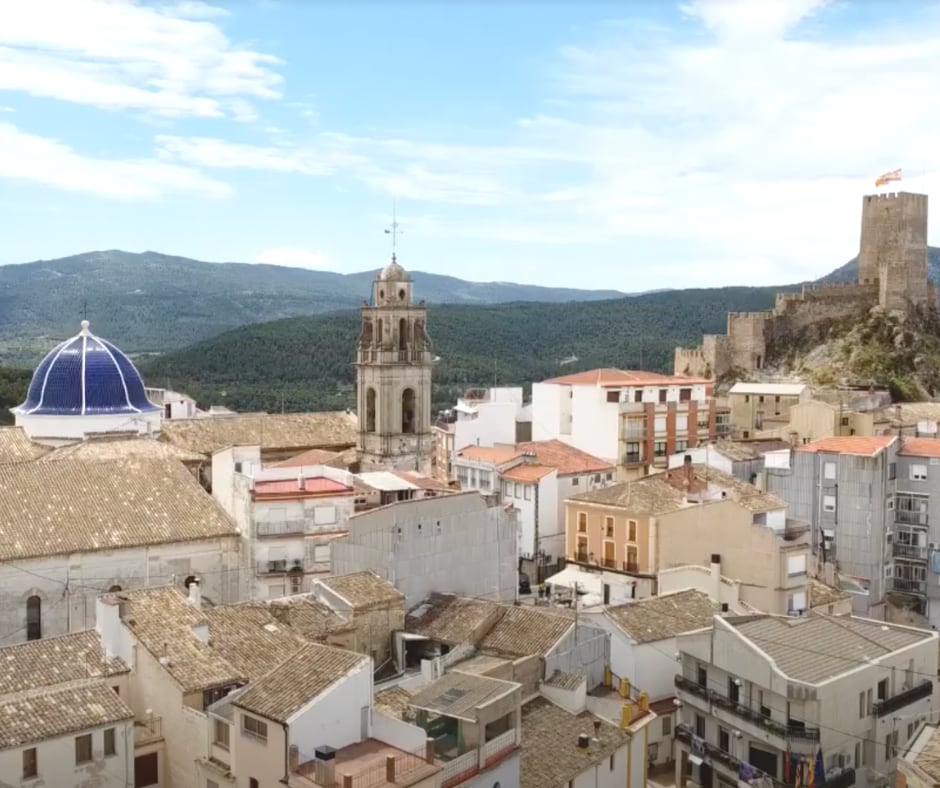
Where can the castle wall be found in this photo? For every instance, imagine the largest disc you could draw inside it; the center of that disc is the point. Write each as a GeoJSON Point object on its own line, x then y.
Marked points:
{"type": "Point", "coordinates": [691, 361]}
{"type": "Point", "coordinates": [819, 303]}
{"type": "Point", "coordinates": [747, 336]}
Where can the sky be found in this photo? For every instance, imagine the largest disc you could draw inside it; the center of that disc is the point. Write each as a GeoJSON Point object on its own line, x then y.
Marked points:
{"type": "Point", "coordinates": [631, 145]}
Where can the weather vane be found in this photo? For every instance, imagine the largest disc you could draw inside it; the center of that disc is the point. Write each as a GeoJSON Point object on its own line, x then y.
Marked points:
{"type": "Point", "coordinates": [394, 230]}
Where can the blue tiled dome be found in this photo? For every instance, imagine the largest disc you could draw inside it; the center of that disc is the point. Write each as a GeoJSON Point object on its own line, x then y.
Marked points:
{"type": "Point", "coordinates": [86, 376]}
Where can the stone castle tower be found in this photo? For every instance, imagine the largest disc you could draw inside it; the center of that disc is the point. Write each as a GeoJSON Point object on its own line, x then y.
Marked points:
{"type": "Point", "coordinates": [893, 248]}
{"type": "Point", "coordinates": [892, 273]}
{"type": "Point", "coordinates": [393, 373]}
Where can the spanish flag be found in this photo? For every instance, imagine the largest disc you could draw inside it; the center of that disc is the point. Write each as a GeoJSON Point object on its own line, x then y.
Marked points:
{"type": "Point", "coordinates": [888, 177]}
{"type": "Point", "coordinates": [811, 773]}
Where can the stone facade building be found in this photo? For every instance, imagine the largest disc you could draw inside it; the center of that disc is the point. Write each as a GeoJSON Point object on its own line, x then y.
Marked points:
{"type": "Point", "coordinates": [892, 273]}
{"type": "Point", "coordinates": [393, 372]}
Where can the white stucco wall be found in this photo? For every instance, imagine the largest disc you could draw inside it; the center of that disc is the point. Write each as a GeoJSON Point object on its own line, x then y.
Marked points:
{"type": "Point", "coordinates": [494, 422]}
{"type": "Point", "coordinates": [334, 718]}
{"type": "Point", "coordinates": [600, 775]}
{"type": "Point", "coordinates": [594, 422]}
{"type": "Point", "coordinates": [68, 585]}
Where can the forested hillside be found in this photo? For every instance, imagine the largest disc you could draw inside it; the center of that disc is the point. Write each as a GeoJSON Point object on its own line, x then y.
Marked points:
{"type": "Point", "coordinates": [306, 363]}
{"type": "Point", "coordinates": [13, 385]}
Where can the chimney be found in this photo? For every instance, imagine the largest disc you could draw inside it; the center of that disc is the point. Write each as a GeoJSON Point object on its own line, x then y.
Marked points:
{"type": "Point", "coordinates": [325, 765]}
{"type": "Point", "coordinates": [293, 758]}
{"type": "Point", "coordinates": [716, 577]}
{"type": "Point", "coordinates": [390, 769]}
{"type": "Point", "coordinates": [429, 750]}
{"type": "Point", "coordinates": [724, 608]}
{"type": "Point", "coordinates": [195, 594]}
{"type": "Point", "coordinates": [597, 729]}
{"type": "Point", "coordinates": [584, 741]}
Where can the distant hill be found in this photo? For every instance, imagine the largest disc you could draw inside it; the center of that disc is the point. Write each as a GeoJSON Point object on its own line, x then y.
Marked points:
{"type": "Point", "coordinates": [154, 302]}
{"type": "Point", "coordinates": [849, 271]}
{"type": "Point", "coordinates": [306, 363]}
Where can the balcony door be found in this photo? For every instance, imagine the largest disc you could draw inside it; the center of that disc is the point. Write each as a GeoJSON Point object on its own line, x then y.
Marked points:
{"type": "Point", "coordinates": [610, 555]}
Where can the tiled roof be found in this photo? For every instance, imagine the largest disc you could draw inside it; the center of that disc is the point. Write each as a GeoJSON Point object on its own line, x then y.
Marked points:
{"type": "Point", "coordinates": [643, 496]}
{"type": "Point", "coordinates": [839, 643]}
{"type": "Point", "coordinates": [394, 702]}
{"type": "Point", "coordinates": [928, 759]}
{"type": "Point", "coordinates": [527, 473]}
{"type": "Point", "coordinates": [565, 681]}
{"type": "Point", "coordinates": [57, 711]}
{"type": "Point", "coordinates": [163, 621]}
{"type": "Point", "coordinates": [308, 617]}
{"type": "Point", "coordinates": [921, 447]}
{"type": "Point", "coordinates": [663, 617]}
{"type": "Point", "coordinates": [76, 507]}
{"type": "Point", "coordinates": [497, 455]}
{"type": "Point", "coordinates": [16, 447]}
{"type": "Point", "coordinates": [295, 682]}
{"type": "Point", "coordinates": [56, 660]}
{"type": "Point", "coordinates": [610, 377]}
{"type": "Point", "coordinates": [821, 594]}
{"type": "Point", "coordinates": [748, 450]}
{"type": "Point", "coordinates": [452, 619]}
{"type": "Point", "coordinates": [363, 589]}
{"type": "Point", "coordinates": [309, 458]}
{"type": "Point", "coordinates": [121, 448]}
{"type": "Point", "coordinates": [482, 664]}
{"type": "Point", "coordinates": [550, 754]}
{"type": "Point", "coordinates": [858, 445]}
{"type": "Point", "coordinates": [740, 491]}
{"type": "Point", "coordinates": [269, 430]}
{"type": "Point", "coordinates": [250, 638]}
{"type": "Point", "coordinates": [525, 630]}
{"type": "Point", "coordinates": [567, 460]}
{"type": "Point", "coordinates": [421, 481]}
{"type": "Point", "coordinates": [457, 694]}
{"type": "Point", "coordinates": [286, 488]}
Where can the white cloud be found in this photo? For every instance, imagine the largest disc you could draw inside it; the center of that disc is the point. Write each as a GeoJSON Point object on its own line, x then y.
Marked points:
{"type": "Point", "coordinates": [752, 21]}
{"type": "Point", "coordinates": [49, 162]}
{"type": "Point", "coordinates": [295, 258]}
{"type": "Point", "coordinates": [169, 61]}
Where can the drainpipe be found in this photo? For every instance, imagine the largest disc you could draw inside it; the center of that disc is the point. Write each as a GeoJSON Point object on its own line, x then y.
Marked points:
{"type": "Point", "coordinates": [286, 779]}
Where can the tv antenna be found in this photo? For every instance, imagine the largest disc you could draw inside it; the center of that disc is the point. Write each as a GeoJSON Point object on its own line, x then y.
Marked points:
{"type": "Point", "coordinates": [394, 231]}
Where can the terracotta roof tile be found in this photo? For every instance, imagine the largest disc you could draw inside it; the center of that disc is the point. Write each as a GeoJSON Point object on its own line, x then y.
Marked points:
{"type": "Point", "coordinates": [550, 754]}
{"type": "Point", "coordinates": [648, 496]}
{"type": "Point", "coordinates": [498, 455]}
{"type": "Point", "coordinates": [566, 459]}
{"type": "Point", "coordinates": [609, 377]}
{"type": "Point", "coordinates": [307, 616]}
{"type": "Point", "coordinates": [56, 711]}
{"type": "Point", "coordinates": [527, 473]}
{"type": "Point", "coordinates": [821, 594]}
{"type": "Point", "coordinates": [122, 447]}
{"type": "Point", "coordinates": [664, 617]}
{"type": "Point", "coordinates": [16, 447]}
{"type": "Point", "coordinates": [523, 631]}
{"type": "Point", "coordinates": [294, 683]}
{"type": "Point", "coordinates": [56, 660]}
{"type": "Point", "coordinates": [310, 458]}
{"type": "Point", "coordinates": [921, 447]}
{"type": "Point", "coordinates": [851, 444]}
{"type": "Point", "coordinates": [394, 702]}
{"type": "Point", "coordinates": [76, 507]}
{"type": "Point", "coordinates": [453, 619]}
{"type": "Point", "coordinates": [363, 589]}
{"type": "Point", "coordinates": [299, 431]}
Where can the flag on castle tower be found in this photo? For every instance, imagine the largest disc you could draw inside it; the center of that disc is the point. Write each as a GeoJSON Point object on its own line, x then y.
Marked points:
{"type": "Point", "coordinates": [894, 175]}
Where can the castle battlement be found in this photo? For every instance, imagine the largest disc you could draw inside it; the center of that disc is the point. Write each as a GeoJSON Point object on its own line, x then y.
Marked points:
{"type": "Point", "coordinates": [750, 315]}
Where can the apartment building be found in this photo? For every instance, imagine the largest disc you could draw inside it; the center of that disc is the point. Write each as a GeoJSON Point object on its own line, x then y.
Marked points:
{"type": "Point", "coordinates": [629, 418]}
{"type": "Point", "coordinates": [845, 488]}
{"type": "Point", "coordinates": [758, 408]}
{"type": "Point", "coordinates": [534, 478]}
{"type": "Point", "coordinates": [694, 515]}
{"type": "Point", "coordinates": [481, 417]}
{"type": "Point", "coordinates": [761, 693]}
{"type": "Point", "coordinates": [64, 720]}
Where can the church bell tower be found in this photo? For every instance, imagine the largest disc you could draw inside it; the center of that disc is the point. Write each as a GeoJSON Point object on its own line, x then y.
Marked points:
{"type": "Point", "coordinates": [393, 373]}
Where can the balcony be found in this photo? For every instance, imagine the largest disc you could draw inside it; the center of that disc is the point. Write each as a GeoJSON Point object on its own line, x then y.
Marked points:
{"type": "Point", "coordinates": [918, 692]}
{"type": "Point", "coordinates": [912, 552]}
{"type": "Point", "coordinates": [609, 563]}
{"type": "Point", "coordinates": [147, 731]}
{"type": "Point", "coordinates": [279, 567]}
{"type": "Point", "coordinates": [279, 528]}
{"type": "Point", "coordinates": [794, 530]}
{"type": "Point", "coordinates": [632, 458]}
{"type": "Point", "coordinates": [904, 585]}
{"type": "Point", "coordinates": [909, 517]}
{"type": "Point", "coordinates": [798, 732]}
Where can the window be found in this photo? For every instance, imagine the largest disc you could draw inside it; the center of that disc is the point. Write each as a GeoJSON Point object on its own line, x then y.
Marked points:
{"type": "Point", "coordinates": [528, 492]}
{"type": "Point", "coordinates": [638, 395]}
{"type": "Point", "coordinates": [734, 689]}
{"type": "Point", "coordinates": [633, 452]}
{"type": "Point", "coordinates": [574, 481]}
{"type": "Point", "coordinates": [221, 733]}
{"type": "Point", "coordinates": [700, 726]}
{"type": "Point", "coordinates": [659, 424]}
{"type": "Point", "coordinates": [685, 395]}
{"type": "Point", "coordinates": [582, 521]}
{"type": "Point", "coordinates": [254, 728]}
{"type": "Point", "coordinates": [829, 470]}
{"type": "Point", "coordinates": [211, 784]}
{"type": "Point", "coordinates": [682, 445]}
{"type": "Point", "coordinates": [33, 618]}
{"type": "Point", "coordinates": [892, 471]}
{"type": "Point", "coordinates": [760, 399]}
{"type": "Point", "coordinates": [845, 421]}
{"type": "Point", "coordinates": [918, 473]}
{"type": "Point", "coordinates": [659, 449]}
{"type": "Point", "coordinates": [408, 411]}
{"type": "Point", "coordinates": [667, 726]}
{"type": "Point", "coordinates": [516, 490]}
{"type": "Point", "coordinates": [110, 744]}
{"type": "Point", "coordinates": [829, 503]}
{"type": "Point", "coordinates": [370, 410]}
{"type": "Point", "coordinates": [609, 527]}
{"type": "Point", "coordinates": [321, 553]}
{"type": "Point", "coordinates": [662, 395]}
{"type": "Point", "coordinates": [702, 676]}
{"type": "Point", "coordinates": [611, 763]}
{"type": "Point", "coordinates": [632, 560]}
{"type": "Point", "coordinates": [30, 764]}
{"type": "Point", "coordinates": [764, 710]}
{"type": "Point", "coordinates": [83, 748]}
{"type": "Point", "coordinates": [883, 689]}
{"type": "Point", "coordinates": [747, 397]}
{"type": "Point", "coordinates": [252, 782]}
{"type": "Point", "coordinates": [858, 754]}
{"type": "Point", "coordinates": [613, 396]}
{"type": "Point", "coordinates": [796, 565]}
{"type": "Point", "coordinates": [861, 705]}
{"type": "Point", "coordinates": [631, 530]}
{"type": "Point", "coordinates": [724, 739]}
{"type": "Point", "coordinates": [324, 515]}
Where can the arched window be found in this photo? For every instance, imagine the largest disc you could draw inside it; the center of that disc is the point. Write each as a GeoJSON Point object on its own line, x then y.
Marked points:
{"type": "Point", "coordinates": [33, 618]}
{"type": "Point", "coordinates": [370, 409]}
{"type": "Point", "coordinates": [115, 588]}
{"type": "Point", "coordinates": [379, 336]}
{"type": "Point", "coordinates": [408, 411]}
{"type": "Point", "coordinates": [403, 334]}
